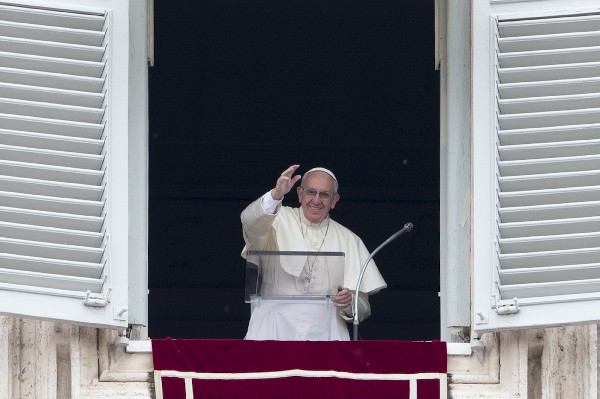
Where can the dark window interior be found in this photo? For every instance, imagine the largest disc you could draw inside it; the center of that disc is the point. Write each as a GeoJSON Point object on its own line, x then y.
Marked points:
{"type": "Point", "coordinates": [240, 90]}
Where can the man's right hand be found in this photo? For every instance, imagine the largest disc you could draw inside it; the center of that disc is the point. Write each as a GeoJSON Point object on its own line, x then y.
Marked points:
{"type": "Point", "coordinates": [285, 182]}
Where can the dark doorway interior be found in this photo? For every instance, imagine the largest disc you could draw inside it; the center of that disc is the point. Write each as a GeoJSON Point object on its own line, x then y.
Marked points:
{"type": "Point", "coordinates": [239, 91]}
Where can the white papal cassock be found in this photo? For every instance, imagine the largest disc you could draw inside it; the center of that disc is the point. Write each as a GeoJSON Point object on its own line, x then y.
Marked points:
{"type": "Point", "coordinates": [288, 230]}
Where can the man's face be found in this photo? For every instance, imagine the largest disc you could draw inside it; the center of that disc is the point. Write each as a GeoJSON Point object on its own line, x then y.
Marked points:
{"type": "Point", "coordinates": [316, 207]}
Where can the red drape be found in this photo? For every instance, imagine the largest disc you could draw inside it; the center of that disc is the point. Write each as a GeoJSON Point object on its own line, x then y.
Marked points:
{"type": "Point", "coordinates": [299, 369]}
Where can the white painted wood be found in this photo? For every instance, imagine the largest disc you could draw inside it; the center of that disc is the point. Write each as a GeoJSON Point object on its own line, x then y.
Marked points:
{"type": "Point", "coordinates": [535, 196]}
{"type": "Point", "coordinates": [455, 153]}
{"type": "Point", "coordinates": [64, 225]}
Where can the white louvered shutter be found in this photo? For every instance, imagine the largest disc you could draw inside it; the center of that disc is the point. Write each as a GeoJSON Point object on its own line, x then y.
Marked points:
{"type": "Point", "coordinates": [56, 257]}
{"type": "Point", "coordinates": [546, 236]}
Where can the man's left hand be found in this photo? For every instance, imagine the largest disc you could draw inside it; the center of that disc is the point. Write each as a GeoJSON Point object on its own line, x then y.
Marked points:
{"type": "Point", "coordinates": [343, 298]}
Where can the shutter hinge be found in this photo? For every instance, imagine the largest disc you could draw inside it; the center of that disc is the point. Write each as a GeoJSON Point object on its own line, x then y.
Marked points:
{"type": "Point", "coordinates": [95, 300]}
{"type": "Point", "coordinates": [507, 307]}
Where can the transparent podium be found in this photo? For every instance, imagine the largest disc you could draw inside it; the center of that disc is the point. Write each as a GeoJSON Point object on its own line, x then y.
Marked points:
{"type": "Point", "coordinates": [293, 276]}
{"type": "Point", "coordinates": [287, 288]}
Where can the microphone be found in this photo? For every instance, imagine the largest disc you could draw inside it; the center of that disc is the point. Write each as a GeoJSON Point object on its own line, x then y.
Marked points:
{"type": "Point", "coordinates": [407, 228]}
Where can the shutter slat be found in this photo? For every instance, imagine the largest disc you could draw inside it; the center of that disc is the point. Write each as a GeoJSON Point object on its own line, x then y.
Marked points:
{"type": "Point", "coordinates": [550, 196]}
{"type": "Point", "coordinates": [550, 181]}
{"type": "Point", "coordinates": [550, 150]}
{"type": "Point", "coordinates": [549, 135]}
{"type": "Point", "coordinates": [64, 221]}
{"type": "Point", "coordinates": [549, 26]}
{"type": "Point", "coordinates": [51, 126]}
{"type": "Point", "coordinates": [53, 173]}
{"type": "Point", "coordinates": [549, 88]}
{"type": "Point", "coordinates": [51, 204]}
{"type": "Point", "coordinates": [63, 36]}
{"type": "Point", "coordinates": [535, 229]}
{"type": "Point", "coordinates": [549, 165]}
{"type": "Point", "coordinates": [51, 142]}
{"type": "Point", "coordinates": [571, 257]}
{"type": "Point", "coordinates": [52, 266]}
{"type": "Point", "coordinates": [551, 289]}
{"type": "Point", "coordinates": [53, 65]}
{"type": "Point", "coordinates": [45, 48]}
{"type": "Point", "coordinates": [46, 280]}
{"type": "Point", "coordinates": [49, 95]}
{"type": "Point", "coordinates": [572, 210]}
{"type": "Point", "coordinates": [51, 188]}
{"type": "Point", "coordinates": [53, 235]}
{"type": "Point", "coordinates": [549, 119]}
{"type": "Point", "coordinates": [542, 73]}
{"type": "Point", "coordinates": [549, 242]}
{"type": "Point", "coordinates": [50, 250]}
{"type": "Point", "coordinates": [549, 57]}
{"type": "Point", "coordinates": [51, 111]}
{"type": "Point", "coordinates": [51, 80]}
{"type": "Point", "coordinates": [549, 103]}
{"type": "Point", "coordinates": [550, 274]}
{"type": "Point", "coordinates": [549, 41]}
{"type": "Point", "coordinates": [37, 156]}
{"type": "Point", "coordinates": [56, 18]}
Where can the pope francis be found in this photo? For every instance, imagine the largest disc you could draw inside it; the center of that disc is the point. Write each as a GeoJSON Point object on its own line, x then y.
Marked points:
{"type": "Point", "coordinates": [267, 225]}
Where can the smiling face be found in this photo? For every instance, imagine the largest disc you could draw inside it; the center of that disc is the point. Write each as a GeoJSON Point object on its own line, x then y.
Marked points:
{"type": "Point", "coordinates": [315, 207]}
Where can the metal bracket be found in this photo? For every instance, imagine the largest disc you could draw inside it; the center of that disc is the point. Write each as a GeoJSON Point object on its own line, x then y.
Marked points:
{"type": "Point", "coordinates": [507, 307]}
{"type": "Point", "coordinates": [481, 317]}
{"type": "Point", "coordinates": [120, 314]}
{"type": "Point", "coordinates": [95, 300]}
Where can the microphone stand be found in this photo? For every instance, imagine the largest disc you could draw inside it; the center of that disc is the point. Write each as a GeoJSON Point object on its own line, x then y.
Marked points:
{"type": "Point", "coordinates": [407, 227]}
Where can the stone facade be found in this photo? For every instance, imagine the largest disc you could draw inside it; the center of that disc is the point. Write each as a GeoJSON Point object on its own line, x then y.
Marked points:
{"type": "Point", "coordinates": [40, 359]}
{"type": "Point", "coordinates": [560, 362]}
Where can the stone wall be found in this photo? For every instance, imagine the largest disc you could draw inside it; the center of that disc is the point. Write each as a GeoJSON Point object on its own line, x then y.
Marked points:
{"type": "Point", "coordinates": [560, 362]}
{"type": "Point", "coordinates": [40, 359]}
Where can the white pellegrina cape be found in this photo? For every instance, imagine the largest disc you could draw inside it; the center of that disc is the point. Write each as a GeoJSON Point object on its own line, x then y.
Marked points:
{"type": "Point", "coordinates": [288, 230]}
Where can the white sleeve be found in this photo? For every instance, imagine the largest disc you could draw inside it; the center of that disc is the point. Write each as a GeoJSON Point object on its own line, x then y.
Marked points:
{"type": "Point", "coordinates": [270, 204]}
{"type": "Point", "coordinates": [364, 308]}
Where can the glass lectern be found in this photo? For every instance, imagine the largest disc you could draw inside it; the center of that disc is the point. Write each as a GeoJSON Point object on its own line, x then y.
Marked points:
{"type": "Point", "coordinates": [293, 277]}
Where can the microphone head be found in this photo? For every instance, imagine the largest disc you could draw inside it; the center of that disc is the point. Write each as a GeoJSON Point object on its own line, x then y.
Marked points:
{"type": "Point", "coordinates": [408, 226]}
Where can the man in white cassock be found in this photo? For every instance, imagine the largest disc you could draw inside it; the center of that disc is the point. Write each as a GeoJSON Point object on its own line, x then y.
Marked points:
{"type": "Point", "coordinates": [267, 225]}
